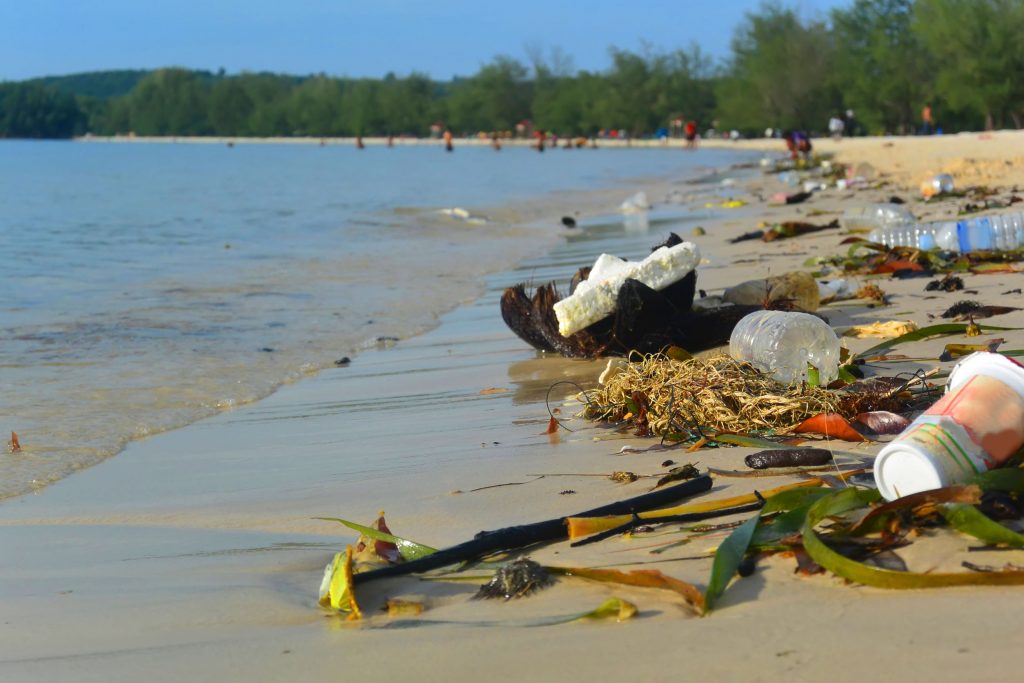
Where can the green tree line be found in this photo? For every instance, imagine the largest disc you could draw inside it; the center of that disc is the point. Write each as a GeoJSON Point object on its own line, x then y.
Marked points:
{"type": "Point", "coordinates": [883, 59]}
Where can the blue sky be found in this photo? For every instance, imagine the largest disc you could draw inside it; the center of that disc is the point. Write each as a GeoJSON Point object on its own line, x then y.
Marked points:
{"type": "Point", "coordinates": [368, 38]}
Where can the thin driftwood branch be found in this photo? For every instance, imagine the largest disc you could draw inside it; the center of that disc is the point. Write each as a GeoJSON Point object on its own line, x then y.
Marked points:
{"type": "Point", "coordinates": [514, 537]}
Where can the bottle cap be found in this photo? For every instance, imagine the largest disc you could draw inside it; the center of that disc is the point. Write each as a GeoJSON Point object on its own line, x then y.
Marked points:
{"type": "Point", "coordinates": [905, 467]}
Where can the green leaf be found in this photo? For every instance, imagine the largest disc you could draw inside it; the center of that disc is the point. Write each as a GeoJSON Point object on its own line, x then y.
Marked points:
{"type": "Point", "coordinates": [969, 520]}
{"type": "Point", "coordinates": [850, 499]}
{"type": "Point", "coordinates": [727, 560]}
{"type": "Point", "coordinates": [746, 440]}
{"type": "Point", "coordinates": [612, 608]}
{"type": "Point", "coordinates": [925, 333]}
{"type": "Point", "coordinates": [1008, 479]}
{"type": "Point", "coordinates": [794, 498]}
{"type": "Point", "coordinates": [409, 550]}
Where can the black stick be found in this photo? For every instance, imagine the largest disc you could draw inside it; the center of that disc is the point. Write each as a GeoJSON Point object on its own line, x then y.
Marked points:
{"type": "Point", "coordinates": [688, 517]}
{"type": "Point", "coordinates": [510, 538]}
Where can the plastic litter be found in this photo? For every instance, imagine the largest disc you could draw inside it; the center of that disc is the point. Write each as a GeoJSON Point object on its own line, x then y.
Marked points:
{"type": "Point", "coordinates": [785, 344]}
{"type": "Point", "coordinates": [797, 287]}
{"type": "Point", "coordinates": [983, 233]}
{"type": "Point", "coordinates": [637, 202]}
{"type": "Point", "coordinates": [939, 184]}
{"type": "Point", "coordinates": [595, 297]}
{"type": "Point", "coordinates": [975, 427]}
{"type": "Point", "coordinates": [878, 217]}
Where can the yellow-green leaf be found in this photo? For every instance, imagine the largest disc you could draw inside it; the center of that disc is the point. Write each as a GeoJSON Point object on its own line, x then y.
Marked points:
{"type": "Point", "coordinates": [409, 550]}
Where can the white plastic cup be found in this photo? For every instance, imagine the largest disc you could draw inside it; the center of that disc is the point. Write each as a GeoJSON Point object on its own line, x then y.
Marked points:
{"type": "Point", "coordinates": [975, 427]}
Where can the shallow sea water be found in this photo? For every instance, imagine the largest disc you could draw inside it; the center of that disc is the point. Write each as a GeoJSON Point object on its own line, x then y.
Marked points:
{"type": "Point", "coordinates": [146, 286]}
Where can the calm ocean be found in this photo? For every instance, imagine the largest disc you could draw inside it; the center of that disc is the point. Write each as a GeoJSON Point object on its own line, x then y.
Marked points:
{"type": "Point", "coordinates": [145, 286]}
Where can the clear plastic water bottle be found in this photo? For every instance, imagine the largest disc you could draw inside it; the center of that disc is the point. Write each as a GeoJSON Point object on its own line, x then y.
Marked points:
{"type": "Point", "coordinates": [877, 217]}
{"type": "Point", "coordinates": [984, 233]}
{"type": "Point", "coordinates": [920, 236]}
{"type": "Point", "coordinates": [784, 343]}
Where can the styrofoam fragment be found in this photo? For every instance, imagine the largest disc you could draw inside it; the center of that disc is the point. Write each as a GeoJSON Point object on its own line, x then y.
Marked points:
{"type": "Point", "coordinates": [595, 297]}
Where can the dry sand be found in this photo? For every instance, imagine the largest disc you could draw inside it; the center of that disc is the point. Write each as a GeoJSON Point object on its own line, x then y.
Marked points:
{"type": "Point", "coordinates": [194, 555]}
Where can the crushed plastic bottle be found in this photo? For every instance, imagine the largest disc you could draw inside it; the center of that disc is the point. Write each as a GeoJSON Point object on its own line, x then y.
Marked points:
{"type": "Point", "coordinates": [877, 217]}
{"type": "Point", "coordinates": [785, 343]}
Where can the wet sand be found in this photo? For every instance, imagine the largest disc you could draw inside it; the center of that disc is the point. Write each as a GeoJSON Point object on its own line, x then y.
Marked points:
{"type": "Point", "coordinates": [194, 554]}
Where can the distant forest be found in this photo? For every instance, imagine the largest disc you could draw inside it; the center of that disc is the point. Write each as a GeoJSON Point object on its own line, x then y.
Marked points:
{"type": "Point", "coordinates": [883, 59]}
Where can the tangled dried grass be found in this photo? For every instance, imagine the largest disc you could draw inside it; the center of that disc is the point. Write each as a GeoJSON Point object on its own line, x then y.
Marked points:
{"type": "Point", "coordinates": [662, 396]}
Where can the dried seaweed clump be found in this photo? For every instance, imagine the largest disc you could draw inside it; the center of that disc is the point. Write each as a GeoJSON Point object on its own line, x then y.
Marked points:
{"type": "Point", "coordinates": [667, 397]}
{"type": "Point", "coordinates": [516, 579]}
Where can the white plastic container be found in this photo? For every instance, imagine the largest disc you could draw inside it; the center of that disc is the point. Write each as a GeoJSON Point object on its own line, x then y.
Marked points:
{"type": "Point", "coordinates": [975, 427]}
{"type": "Point", "coordinates": [595, 297]}
{"type": "Point", "coordinates": [784, 343]}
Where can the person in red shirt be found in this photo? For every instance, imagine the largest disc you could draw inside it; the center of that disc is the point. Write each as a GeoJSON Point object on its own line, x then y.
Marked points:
{"type": "Point", "coordinates": [691, 134]}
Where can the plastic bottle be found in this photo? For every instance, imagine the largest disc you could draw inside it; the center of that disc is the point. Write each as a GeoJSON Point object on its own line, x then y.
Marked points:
{"type": "Point", "coordinates": [877, 217]}
{"type": "Point", "coordinates": [978, 425]}
{"type": "Point", "coordinates": [984, 233]}
{"type": "Point", "coordinates": [784, 343]}
{"type": "Point", "coordinates": [921, 236]}
{"type": "Point", "coordinates": [940, 184]}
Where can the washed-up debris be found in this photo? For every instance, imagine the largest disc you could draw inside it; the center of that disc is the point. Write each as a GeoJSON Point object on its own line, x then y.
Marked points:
{"type": "Point", "coordinates": [977, 425]}
{"type": "Point", "coordinates": [686, 400]}
{"type": "Point", "coordinates": [784, 230]}
{"type": "Point", "coordinates": [515, 537]}
{"type": "Point", "coordinates": [796, 290]}
{"type": "Point", "coordinates": [964, 310]}
{"type": "Point", "coordinates": [795, 229]}
{"type": "Point", "coordinates": [569, 221]}
{"type": "Point", "coordinates": [637, 203]}
{"type": "Point", "coordinates": [14, 446]}
{"type": "Point", "coordinates": [516, 579]}
{"type": "Point", "coordinates": [949, 283]}
{"type": "Point", "coordinates": [803, 457]}
{"type": "Point", "coordinates": [637, 317]}
{"type": "Point", "coordinates": [795, 198]}
{"type": "Point", "coordinates": [884, 330]}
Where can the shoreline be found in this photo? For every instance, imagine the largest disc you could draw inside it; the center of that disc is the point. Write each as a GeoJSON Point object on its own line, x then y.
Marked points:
{"type": "Point", "coordinates": [198, 548]}
{"type": "Point", "coordinates": [520, 227]}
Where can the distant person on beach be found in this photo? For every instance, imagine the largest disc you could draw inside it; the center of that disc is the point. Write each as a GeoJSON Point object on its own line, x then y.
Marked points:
{"type": "Point", "coordinates": [448, 147]}
{"type": "Point", "coordinates": [690, 131]}
{"type": "Point", "coordinates": [495, 143]}
{"type": "Point", "coordinates": [850, 122]}
{"type": "Point", "coordinates": [391, 141]}
{"type": "Point", "coordinates": [359, 142]}
{"type": "Point", "coordinates": [836, 127]}
{"type": "Point", "coordinates": [798, 143]}
{"type": "Point", "coordinates": [927, 122]}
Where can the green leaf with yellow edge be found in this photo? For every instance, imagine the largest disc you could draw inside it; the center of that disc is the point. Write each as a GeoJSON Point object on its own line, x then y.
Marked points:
{"type": "Point", "coordinates": [967, 519]}
{"type": "Point", "coordinates": [926, 333]}
{"type": "Point", "coordinates": [851, 499]}
{"type": "Point", "coordinates": [612, 608]}
{"type": "Point", "coordinates": [409, 550]}
{"type": "Point", "coordinates": [727, 560]}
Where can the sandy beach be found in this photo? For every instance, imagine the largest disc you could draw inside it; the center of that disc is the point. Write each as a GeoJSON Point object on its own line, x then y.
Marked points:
{"type": "Point", "coordinates": [195, 554]}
